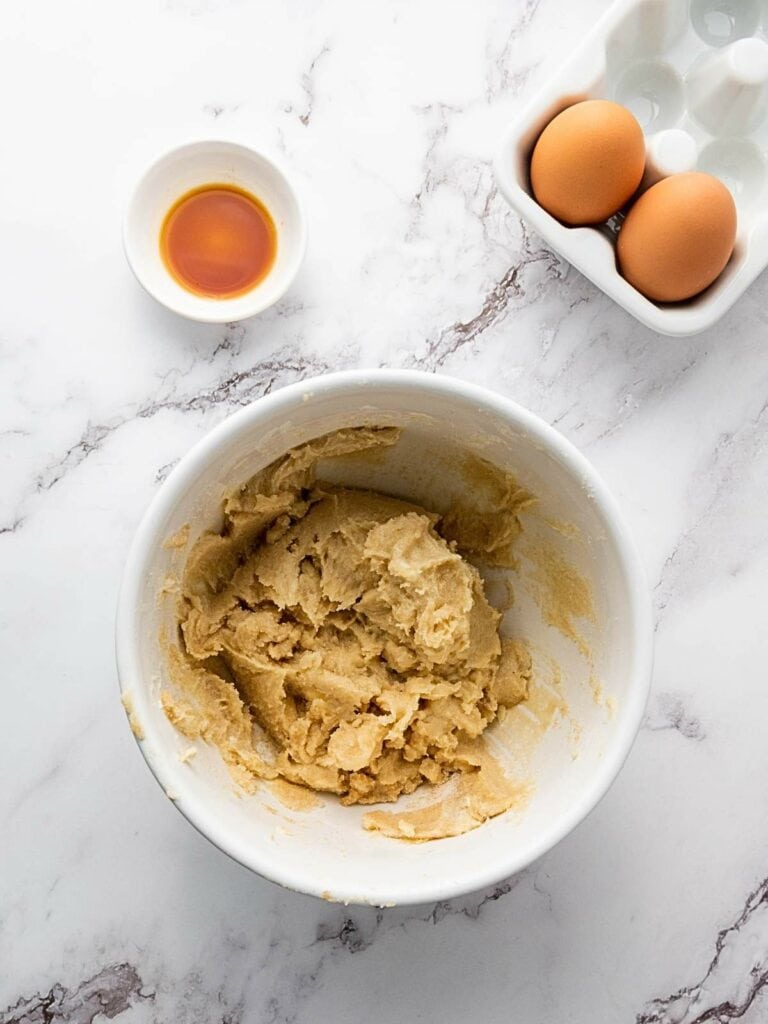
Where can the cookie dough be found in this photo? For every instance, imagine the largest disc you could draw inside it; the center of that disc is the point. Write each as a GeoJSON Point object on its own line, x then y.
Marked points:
{"type": "Point", "coordinates": [336, 639]}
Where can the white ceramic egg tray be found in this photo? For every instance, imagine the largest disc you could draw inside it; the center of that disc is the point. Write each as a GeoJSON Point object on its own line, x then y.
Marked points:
{"type": "Point", "coordinates": [695, 74]}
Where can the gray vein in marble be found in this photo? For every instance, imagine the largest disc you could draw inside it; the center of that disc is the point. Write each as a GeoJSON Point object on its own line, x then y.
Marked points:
{"type": "Point", "coordinates": [30, 790]}
{"type": "Point", "coordinates": [217, 109]}
{"type": "Point", "coordinates": [309, 88]}
{"type": "Point", "coordinates": [529, 9]}
{"type": "Point", "coordinates": [734, 978]}
{"type": "Point", "coordinates": [356, 930]}
{"type": "Point", "coordinates": [56, 765]}
{"type": "Point", "coordinates": [348, 934]}
{"type": "Point", "coordinates": [236, 389]}
{"type": "Point", "coordinates": [491, 197]}
{"type": "Point", "coordinates": [504, 78]}
{"type": "Point", "coordinates": [643, 373]}
{"type": "Point", "coordinates": [645, 387]}
{"type": "Point", "coordinates": [302, 984]}
{"type": "Point", "coordinates": [13, 526]}
{"type": "Point", "coordinates": [437, 116]}
{"type": "Point", "coordinates": [353, 931]}
{"type": "Point", "coordinates": [472, 180]}
{"type": "Point", "coordinates": [736, 454]}
{"type": "Point", "coordinates": [493, 308]}
{"type": "Point", "coordinates": [163, 471]}
{"type": "Point", "coordinates": [731, 985]}
{"type": "Point", "coordinates": [670, 713]}
{"type": "Point", "coordinates": [544, 893]}
{"type": "Point", "coordinates": [109, 993]}
{"type": "Point", "coordinates": [232, 341]}
{"type": "Point", "coordinates": [90, 441]}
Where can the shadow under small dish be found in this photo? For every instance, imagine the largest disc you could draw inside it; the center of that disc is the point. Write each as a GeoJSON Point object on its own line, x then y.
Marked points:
{"type": "Point", "coordinates": [218, 241]}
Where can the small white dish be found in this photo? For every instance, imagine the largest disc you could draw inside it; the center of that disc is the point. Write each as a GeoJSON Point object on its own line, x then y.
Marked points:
{"type": "Point", "coordinates": [326, 851]}
{"type": "Point", "coordinates": [207, 162]}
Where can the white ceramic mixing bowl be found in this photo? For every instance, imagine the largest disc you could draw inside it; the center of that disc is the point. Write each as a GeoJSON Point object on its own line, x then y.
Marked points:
{"type": "Point", "coordinates": [325, 851]}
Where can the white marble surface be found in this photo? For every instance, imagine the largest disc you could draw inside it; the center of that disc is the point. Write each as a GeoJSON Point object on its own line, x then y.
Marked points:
{"type": "Point", "coordinates": [656, 908]}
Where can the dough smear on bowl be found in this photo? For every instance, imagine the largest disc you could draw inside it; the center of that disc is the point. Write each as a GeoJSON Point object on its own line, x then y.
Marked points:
{"type": "Point", "coordinates": [332, 637]}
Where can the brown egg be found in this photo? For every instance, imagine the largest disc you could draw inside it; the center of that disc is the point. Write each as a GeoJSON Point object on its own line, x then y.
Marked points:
{"type": "Point", "coordinates": [588, 162]}
{"type": "Point", "coordinates": [678, 236]}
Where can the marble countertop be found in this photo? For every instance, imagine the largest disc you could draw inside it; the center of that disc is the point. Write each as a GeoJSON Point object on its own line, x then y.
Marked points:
{"type": "Point", "coordinates": [655, 910]}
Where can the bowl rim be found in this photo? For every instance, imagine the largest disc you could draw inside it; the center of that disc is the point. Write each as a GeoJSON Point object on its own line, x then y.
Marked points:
{"type": "Point", "coordinates": [221, 310]}
{"type": "Point", "coordinates": [628, 717]}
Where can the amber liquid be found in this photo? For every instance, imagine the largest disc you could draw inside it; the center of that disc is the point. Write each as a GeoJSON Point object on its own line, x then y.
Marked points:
{"type": "Point", "coordinates": [218, 241]}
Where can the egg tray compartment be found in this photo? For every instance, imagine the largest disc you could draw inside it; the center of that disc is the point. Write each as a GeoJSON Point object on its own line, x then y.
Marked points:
{"type": "Point", "coordinates": [700, 93]}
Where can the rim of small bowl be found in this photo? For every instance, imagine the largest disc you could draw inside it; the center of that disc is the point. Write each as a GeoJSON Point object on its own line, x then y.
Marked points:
{"type": "Point", "coordinates": [220, 310]}
{"type": "Point", "coordinates": [628, 717]}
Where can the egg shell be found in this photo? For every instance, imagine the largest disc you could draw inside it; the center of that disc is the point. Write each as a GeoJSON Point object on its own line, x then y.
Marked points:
{"type": "Point", "coordinates": [678, 236]}
{"type": "Point", "coordinates": [588, 162]}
